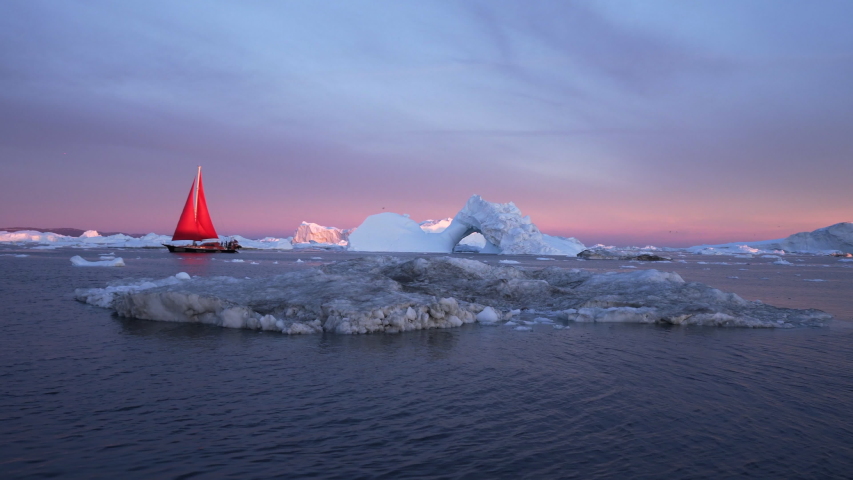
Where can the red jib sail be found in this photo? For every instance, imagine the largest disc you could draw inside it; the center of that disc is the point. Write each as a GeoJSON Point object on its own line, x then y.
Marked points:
{"type": "Point", "coordinates": [195, 223]}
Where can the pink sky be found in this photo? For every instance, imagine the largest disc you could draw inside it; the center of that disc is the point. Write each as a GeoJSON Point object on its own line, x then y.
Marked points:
{"type": "Point", "coordinates": [613, 125]}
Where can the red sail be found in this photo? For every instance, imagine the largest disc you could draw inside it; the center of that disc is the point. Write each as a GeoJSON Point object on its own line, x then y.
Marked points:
{"type": "Point", "coordinates": [202, 218]}
{"type": "Point", "coordinates": [195, 223]}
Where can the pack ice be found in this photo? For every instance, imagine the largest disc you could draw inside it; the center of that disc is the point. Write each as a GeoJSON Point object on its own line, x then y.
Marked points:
{"type": "Point", "coordinates": [503, 227]}
{"type": "Point", "coordinates": [388, 294]}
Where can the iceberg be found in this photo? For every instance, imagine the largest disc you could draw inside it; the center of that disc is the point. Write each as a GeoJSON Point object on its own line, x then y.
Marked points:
{"type": "Point", "coordinates": [832, 239]}
{"type": "Point", "coordinates": [31, 236]}
{"type": "Point", "coordinates": [392, 232]}
{"type": "Point", "coordinates": [90, 238]}
{"type": "Point", "coordinates": [503, 228]}
{"type": "Point", "coordinates": [387, 294]}
{"type": "Point", "coordinates": [436, 226]}
{"type": "Point", "coordinates": [266, 243]}
{"type": "Point", "coordinates": [475, 242]}
{"type": "Point", "coordinates": [836, 238]}
{"type": "Point", "coordinates": [313, 233]}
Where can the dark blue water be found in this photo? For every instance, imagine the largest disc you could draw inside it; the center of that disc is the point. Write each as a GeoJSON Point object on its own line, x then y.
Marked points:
{"type": "Point", "coordinates": [89, 395]}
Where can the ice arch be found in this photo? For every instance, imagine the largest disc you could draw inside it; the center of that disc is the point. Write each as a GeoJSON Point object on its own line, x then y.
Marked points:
{"type": "Point", "coordinates": [505, 229]}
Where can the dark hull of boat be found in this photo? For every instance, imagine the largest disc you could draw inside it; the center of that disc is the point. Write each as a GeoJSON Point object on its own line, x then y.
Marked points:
{"type": "Point", "coordinates": [199, 249]}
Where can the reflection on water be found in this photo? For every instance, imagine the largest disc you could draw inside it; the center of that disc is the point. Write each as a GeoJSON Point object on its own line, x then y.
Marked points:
{"type": "Point", "coordinates": [88, 394]}
{"type": "Point", "coordinates": [196, 263]}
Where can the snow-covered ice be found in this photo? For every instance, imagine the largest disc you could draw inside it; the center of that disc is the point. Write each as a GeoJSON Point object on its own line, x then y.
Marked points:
{"type": "Point", "coordinates": [604, 252]}
{"type": "Point", "coordinates": [313, 233]}
{"type": "Point", "coordinates": [502, 226]}
{"type": "Point", "coordinates": [488, 315]}
{"type": "Point", "coordinates": [266, 243]}
{"type": "Point", "coordinates": [392, 232]}
{"type": "Point", "coordinates": [79, 261]}
{"type": "Point", "coordinates": [435, 226]}
{"type": "Point", "coordinates": [831, 239]}
{"type": "Point", "coordinates": [92, 238]}
{"type": "Point", "coordinates": [387, 294]}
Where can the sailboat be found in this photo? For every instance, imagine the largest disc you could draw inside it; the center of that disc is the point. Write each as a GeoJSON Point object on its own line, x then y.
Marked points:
{"type": "Point", "coordinates": [195, 225]}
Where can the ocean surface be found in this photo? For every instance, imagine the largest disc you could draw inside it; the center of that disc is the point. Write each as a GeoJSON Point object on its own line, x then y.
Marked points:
{"type": "Point", "coordinates": [86, 394]}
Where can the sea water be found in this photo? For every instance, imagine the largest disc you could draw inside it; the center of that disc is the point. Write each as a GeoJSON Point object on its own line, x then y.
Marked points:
{"type": "Point", "coordinates": [86, 394]}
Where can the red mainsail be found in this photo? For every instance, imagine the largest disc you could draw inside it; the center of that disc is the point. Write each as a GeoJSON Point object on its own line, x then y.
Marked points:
{"type": "Point", "coordinates": [195, 223]}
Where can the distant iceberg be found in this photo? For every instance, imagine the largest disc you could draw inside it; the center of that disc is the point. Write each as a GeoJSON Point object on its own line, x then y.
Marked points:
{"type": "Point", "coordinates": [836, 238]}
{"type": "Point", "coordinates": [92, 238]}
{"type": "Point", "coordinates": [386, 294]}
{"type": "Point", "coordinates": [313, 233]}
{"type": "Point", "coordinates": [266, 243]}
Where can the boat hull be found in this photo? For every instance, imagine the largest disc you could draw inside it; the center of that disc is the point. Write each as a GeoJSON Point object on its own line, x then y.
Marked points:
{"type": "Point", "coordinates": [199, 249]}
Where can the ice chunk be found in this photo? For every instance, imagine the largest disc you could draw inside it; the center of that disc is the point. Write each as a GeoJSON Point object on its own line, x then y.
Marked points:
{"type": "Point", "coordinates": [488, 315]}
{"type": "Point", "coordinates": [79, 261]}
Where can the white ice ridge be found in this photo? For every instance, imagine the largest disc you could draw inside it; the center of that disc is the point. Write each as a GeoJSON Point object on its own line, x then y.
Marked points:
{"type": "Point", "coordinates": [387, 294]}
{"type": "Point", "coordinates": [91, 238]}
{"type": "Point", "coordinates": [104, 297]}
{"type": "Point", "coordinates": [502, 226]}
{"type": "Point", "coordinates": [313, 233]}
{"type": "Point", "coordinates": [79, 261]}
{"type": "Point", "coordinates": [831, 239]}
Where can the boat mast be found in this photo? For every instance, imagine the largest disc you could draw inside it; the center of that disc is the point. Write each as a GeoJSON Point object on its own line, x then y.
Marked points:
{"type": "Point", "coordinates": [195, 200]}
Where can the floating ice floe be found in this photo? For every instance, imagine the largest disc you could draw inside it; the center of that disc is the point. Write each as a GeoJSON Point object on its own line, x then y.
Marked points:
{"type": "Point", "coordinates": [646, 254]}
{"type": "Point", "coordinates": [105, 297]}
{"type": "Point", "coordinates": [79, 261]}
{"type": "Point", "coordinates": [387, 294]}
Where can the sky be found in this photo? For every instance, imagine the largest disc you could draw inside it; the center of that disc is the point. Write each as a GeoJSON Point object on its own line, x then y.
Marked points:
{"type": "Point", "coordinates": [668, 123]}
